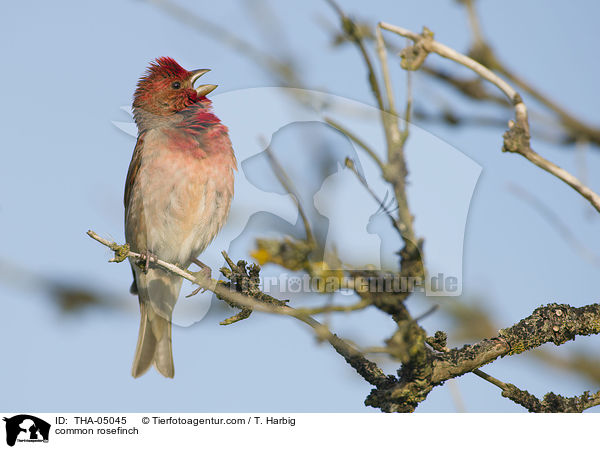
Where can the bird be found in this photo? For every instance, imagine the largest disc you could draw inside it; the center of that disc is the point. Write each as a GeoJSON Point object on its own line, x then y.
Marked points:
{"type": "Point", "coordinates": [178, 194]}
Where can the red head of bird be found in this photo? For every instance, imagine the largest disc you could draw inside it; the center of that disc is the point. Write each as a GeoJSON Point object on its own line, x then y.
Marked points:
{"type": "Point", "coordinates": [166, 89]}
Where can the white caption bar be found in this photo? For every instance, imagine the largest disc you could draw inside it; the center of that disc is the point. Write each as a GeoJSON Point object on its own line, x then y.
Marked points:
{"type": "Point", "coordinates": [295, 430]}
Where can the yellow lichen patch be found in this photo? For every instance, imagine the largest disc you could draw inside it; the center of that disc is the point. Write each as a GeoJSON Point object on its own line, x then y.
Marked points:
{"type": "Point", "coordinates": [121, 252]}
{"type": "Point", "coordinates": [261, 256]}
{"type": "Point", "coordinates": [289, 253]}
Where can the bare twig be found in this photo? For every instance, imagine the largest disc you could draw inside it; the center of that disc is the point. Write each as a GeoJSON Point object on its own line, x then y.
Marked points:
{"type": "Point", "coordinates": [381, 53]}
{"type": "Point", "coordinates": [516, 139]}
{"type": "Point", "coordinates": [561, 174]}
{"type": "Point", "coordinates": [483, 52]}
{"type": "Point", "coordinates": [408, 108]}
{"type": "Point", "coordinates": [395, 170]}
{"type": "Point", "coordinates": [552, 403]}
{"type": "Point", "coordinates": [352, 166]}
{"type": "Point", "coordinates": [362, 304]}
{"type": "Point", "coordinates": [353, 33]}
{"type": "Point", "coordinates": [490, 379]}
{"type": "Point", "coordinates": [474, 22]}
{"type": "Point", "coordinates": [357, 140]}
{"type": "Point", "coordinates": [224, 34]}
{"type": "Point", "coordinates": [288, 185]}
{"type": "Point", "coordinates": [430, 45]}
{"type": "Point", "coordinates": [555, 221]}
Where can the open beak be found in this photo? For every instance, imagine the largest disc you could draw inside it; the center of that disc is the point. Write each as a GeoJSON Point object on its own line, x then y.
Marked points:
{"type": "Point", "coordinates": [203, 89]}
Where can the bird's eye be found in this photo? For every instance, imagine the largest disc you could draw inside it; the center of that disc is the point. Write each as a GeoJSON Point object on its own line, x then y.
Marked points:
{"type": "Point", "coordinates": [176, 85]}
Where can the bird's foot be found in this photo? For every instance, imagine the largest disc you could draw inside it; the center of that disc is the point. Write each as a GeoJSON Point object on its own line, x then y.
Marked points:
{"type": "Point", "coordinates": [147, 257]}
{"type": "Point", "coordinates": [205, 272]}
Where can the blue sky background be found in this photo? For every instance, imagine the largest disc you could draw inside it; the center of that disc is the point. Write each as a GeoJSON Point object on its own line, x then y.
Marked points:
{"type": "Point", "coordinates": [68, 68]}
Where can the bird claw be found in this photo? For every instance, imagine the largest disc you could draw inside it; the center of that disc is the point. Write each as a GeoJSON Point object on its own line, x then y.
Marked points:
{"type": "Point", "coordinates": [205, 272]}
{"type": "Point", "coordinates": [148, 257]}
{"type": "Point", "coordinates": [195, 292]}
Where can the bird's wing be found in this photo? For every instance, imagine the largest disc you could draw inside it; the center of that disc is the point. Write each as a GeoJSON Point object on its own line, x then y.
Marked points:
{"type": "Point", "coordinates": [134, 167]}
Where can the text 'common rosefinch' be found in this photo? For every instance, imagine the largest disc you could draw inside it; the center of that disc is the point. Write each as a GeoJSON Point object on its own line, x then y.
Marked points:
{"type": "Point", "coordinates": [177, 195]}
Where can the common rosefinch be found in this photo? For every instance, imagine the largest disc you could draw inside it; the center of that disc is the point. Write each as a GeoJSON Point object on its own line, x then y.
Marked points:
{"type": "Point", "coordinates": [177, 195]}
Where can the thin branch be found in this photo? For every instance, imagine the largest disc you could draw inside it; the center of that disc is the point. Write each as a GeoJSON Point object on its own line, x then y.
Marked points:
{"type": "Point", "coordinates": [580, 129]}
{"type": "Point", "coordinates": [447, 116]}
{"type": "Point", "coordinates": [482, 51]}
{"type": "Point", "coordinates": [357, 140]}
{"type": "Point", "coordinates": [474, 22]}
{"type": "Point", "coordinates": [516, 139]}
{"type": "Point", "coordinates": [408, 108]}
{"type": "Point", "coordinates": [390, 120]}
{"type": "Point", "coordinates": [430, 45]}
{"type": "Point", "coordinates": [122, 252]}
{"type": "Point", "coordinates": [490, 379]}
{"type": "Point", "coordinates": [427, 313]}
{"type": "Point", "coordinates": [561, 174]}
{"type": "Point", "coordinates": [394, 171]}
{"type": "Point", "coordinates": [364, 367]}
{"type": "Point", "coordinates": [558, 133]}
{"type": "Point", "coordinates": [574, 128]}
{"type": "Point", "coordinates": [352, 32]}
{"type": "Point", "coordinates": [470, 87]}
{"type": "Point", "coordinates": [382, 54]}
{"type": "Point", "coordinates": [225, 35]}
{"type": "Point", "coordinates": [554, 219]}
{"type": "Point", "coordinates": [362, 304]}
{"type": "Point", "coordinates": [352, 166]}
{"type": "Point", "coordinates": [288, 185]}
{"type": "Point", "coordinates": [552, 402]}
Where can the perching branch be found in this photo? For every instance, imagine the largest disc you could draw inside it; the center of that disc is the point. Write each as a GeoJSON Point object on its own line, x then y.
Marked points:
{"type": "Point", "coordinates": [419, 375]}
{"type": "Point", "coordinates": [364, 367]}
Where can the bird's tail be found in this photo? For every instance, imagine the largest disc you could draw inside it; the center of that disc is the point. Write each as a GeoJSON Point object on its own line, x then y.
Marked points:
{"type": "Point", "coordinates": [158, 292]}
{"type": "Point", "coordinates": [154, 344]}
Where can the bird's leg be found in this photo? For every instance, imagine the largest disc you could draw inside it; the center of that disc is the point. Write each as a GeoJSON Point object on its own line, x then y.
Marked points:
{"type": "Point", "coordinates": [205, 271]}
